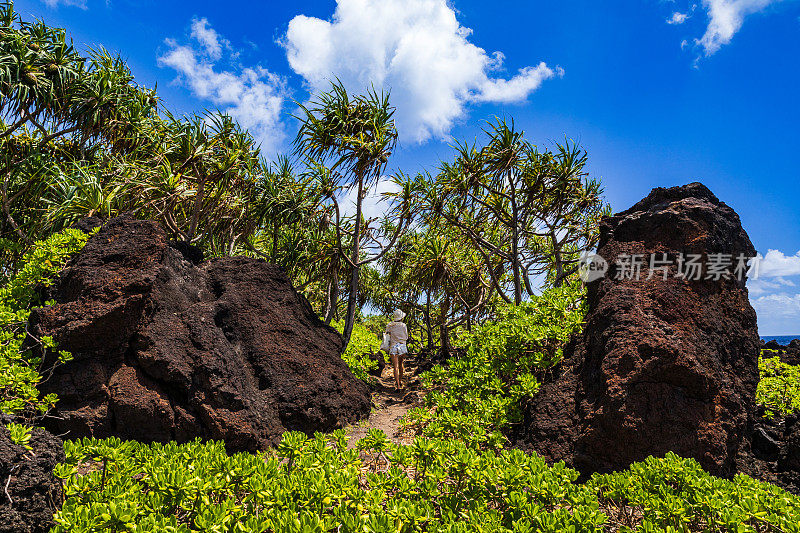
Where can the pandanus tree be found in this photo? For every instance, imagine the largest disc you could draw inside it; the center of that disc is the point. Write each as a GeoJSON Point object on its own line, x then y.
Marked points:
{"type": "Point", "coordinates": [57, 106]}
{"type": "Point", "coordinates": [351, 138]}
{"type": "Point", "coordinates": [525, 211]}
{"type": "Point", "coordinates": [435, 272]}
{"type": "Point", "coordinates": [199, 177]}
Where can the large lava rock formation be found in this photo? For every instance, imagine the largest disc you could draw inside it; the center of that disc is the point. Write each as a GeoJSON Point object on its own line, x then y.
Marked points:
{"type": "Point", "coordinates": [169, 348]}
{"type": "Point", "coordinates": [662, 364]}
{"type": "Point", "coordinates": [30, 492]}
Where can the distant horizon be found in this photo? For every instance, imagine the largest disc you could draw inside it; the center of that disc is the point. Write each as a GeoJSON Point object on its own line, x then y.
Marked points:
{"type": "Point", "coordinates": [771, 337]}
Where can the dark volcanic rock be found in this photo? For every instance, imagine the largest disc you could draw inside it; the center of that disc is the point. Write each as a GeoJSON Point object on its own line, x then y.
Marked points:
{"type": "Point", "coordinates": [380, 361]}
{"type": "Point", "coordinates": [168, 350]}
{"type": "Point", "coordinates": [34, 491]}
{"type": "Point", "coordinates": [787, 354]}
{"type": "Point", "coordinates": [773, 453]}
{"type": "Point", "coordinates": [88, 224]}
{"type": "Point", "coordinates": [662, 364]}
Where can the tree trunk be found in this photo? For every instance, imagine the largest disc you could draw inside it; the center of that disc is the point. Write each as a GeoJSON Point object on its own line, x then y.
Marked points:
{"type": "Point", "coordinates": [558, 261]}
{"type": "Point", "coordinates": [198, 206]}
{"type": "Point", "coordinates": [352, 297]}
{"type": "Point", "coordinates": [515, 243]}
{"type": "Point", "coordinates": [333, 298]}
{"type": "Point", "coordinates": [444, 333]}
{"type": "Point", "coordinates": [274, 255]}
{"type": "Point", "coordinates": [428, 326]}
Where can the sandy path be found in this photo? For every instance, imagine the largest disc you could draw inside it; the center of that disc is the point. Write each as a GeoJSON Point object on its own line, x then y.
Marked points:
{"type": "Point", "coordinates": [389, 406]}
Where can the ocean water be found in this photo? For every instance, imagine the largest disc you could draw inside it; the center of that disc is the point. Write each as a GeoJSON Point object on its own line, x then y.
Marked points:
{"type": "Point", "coordinates": [783, 340]}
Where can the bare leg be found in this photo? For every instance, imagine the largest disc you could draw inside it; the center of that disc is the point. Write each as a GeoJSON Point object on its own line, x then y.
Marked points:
{"type": "Point", "coordinates": [396, 368]}
{"type": "Point", "coordinates": [402, 359]}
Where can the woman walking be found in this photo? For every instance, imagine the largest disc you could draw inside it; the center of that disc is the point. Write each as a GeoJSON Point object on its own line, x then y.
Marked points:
{"type": "Point", "coordinates": [398, 336]}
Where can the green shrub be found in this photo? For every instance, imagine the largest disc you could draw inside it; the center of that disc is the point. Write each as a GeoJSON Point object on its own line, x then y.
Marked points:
{"type": "Point", "coordinates": [318, 484]}
{"type": "Point", "coordinates": [363, 343]}
{"type": "Point", "coordinates": [779, 387]}
{"type": "Point", "coordinates": [675, 494]}
{"type": "Point", "coordinates": [478, 394]}
{"type": "Point", "coordinates": [20, 372]}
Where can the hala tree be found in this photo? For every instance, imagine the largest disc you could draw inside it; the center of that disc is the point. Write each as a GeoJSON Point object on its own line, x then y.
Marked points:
{"type": "Point", "coordinates": [436, 272]}
{"type": "Point", "coordinates": [199, 176]}
{"type": "Point", "coordinates": [57, 105]}
{"type": "Point", "coordinates": [348, 140]}
{"type": "Point", "coordinates": [528, 211]}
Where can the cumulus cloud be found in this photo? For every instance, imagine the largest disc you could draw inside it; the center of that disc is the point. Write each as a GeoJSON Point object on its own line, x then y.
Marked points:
{"type": "Point", "coordinates": [776, 264]}
{"type": "Point", "coordinates": [725, 18]}
{"type": "Point", "coordinates": [373, 206]}
{"type": "Point", "coordinates": [778, 314]}
{"type": "Point", "coordinates": [415, 48]}
{"type": "Point", "coordinates": [252, 95]}
{"type": "Point", "coordinates": [778, 305]}
{"type": "Point", "coordinates": [760, 286]}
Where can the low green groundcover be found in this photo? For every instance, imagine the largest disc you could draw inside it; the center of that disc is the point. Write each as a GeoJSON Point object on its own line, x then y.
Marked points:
{"type": "Point", "coordinates": [317, 484]}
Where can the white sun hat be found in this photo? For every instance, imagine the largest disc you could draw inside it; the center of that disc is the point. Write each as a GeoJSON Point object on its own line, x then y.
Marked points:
{"type": "Point", "coordinates": [398, 315]}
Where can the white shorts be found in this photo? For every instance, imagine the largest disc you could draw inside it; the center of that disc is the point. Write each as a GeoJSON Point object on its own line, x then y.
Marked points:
{"type": "Point", "coordinates": [398, 349]}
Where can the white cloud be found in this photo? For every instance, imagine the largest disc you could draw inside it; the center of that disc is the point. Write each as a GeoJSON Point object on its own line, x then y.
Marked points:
{"type": "Point", "coordinates": [778, 305]}
{"type": "Point", "coordinates": [70, 3]}
{"type": "Point", "coordinates": [778, 314]}
{"type": "Point", "coordinates": [252, 95]}
{"type": "Point", "coordinates": [415, 48]}
{"type": "Point", "coordinates": [373, 205]}
{"type": "Point", "coordinates": [208, 37]}
{"type": "Point", "coordinates": [771, 293]}
{"type": "Point", "coordinates": [760, 286]}
{"type": "Point", "coordinates": [725, 19]}
{"type": "Point", "coordinates": [678, 18]}
{"type": "Point", "coordinates": [776, 264]}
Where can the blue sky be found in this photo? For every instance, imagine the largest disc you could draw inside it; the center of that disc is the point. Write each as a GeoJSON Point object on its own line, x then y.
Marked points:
{"type": "Point", "coordinates": [659, 92]}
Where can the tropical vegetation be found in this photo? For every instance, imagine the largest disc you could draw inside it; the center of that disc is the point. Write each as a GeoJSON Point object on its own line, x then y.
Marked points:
{"type": "Point", "coordinates": [482, 252]}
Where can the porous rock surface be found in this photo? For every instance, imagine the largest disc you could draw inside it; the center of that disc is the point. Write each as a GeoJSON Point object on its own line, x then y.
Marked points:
{"type": "Point", "coordinates": [167, 347]}
{"type": "Point", "coordinates": [662, 364]}
{"type": "Point", "coordinates": [789, 354]}
{"type": "Point", "coordinates": [35, 493]}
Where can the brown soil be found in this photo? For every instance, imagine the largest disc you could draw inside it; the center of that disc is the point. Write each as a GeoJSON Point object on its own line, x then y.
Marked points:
{"type": "Point", "coordinates": [389, 406]}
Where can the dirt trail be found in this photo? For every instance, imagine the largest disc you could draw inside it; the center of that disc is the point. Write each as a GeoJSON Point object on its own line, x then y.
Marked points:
{"type": "Point", "coordinates": [390, 405]}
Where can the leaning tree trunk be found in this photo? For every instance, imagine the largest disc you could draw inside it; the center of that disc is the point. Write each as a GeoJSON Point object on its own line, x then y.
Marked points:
{"type": "Point", "coordinates": [274, 255]}
{"type": "Point", "coordinates": [558, 260]}
{"type": "Point", "coordinates": [352, 297]}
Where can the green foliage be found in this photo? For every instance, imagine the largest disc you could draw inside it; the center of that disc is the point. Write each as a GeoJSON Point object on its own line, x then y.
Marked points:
{"type": "Point", "coordinates": [19, 434]}
{"type": "Point", "coordinates": [779, 387]}
{"type": "Point", "coordinates": [363, 343]}
{"type": "Point", "coordinates": [479, 393]}
{"type": "Point", "coordinates": [675, 494]}
{"type": "Point", "coordinates": [20, 372]}
{"type": "Point", "coordinates": [318, 484]}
